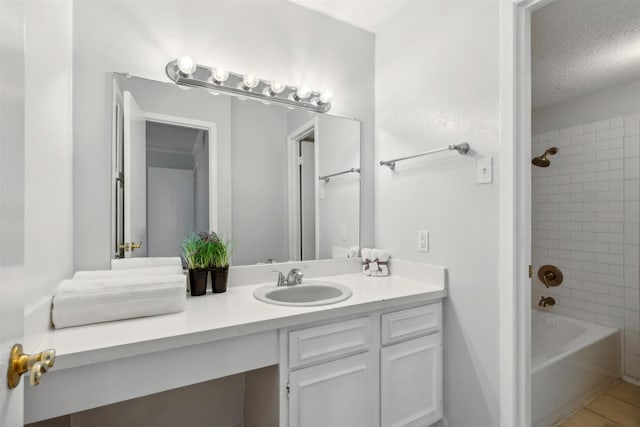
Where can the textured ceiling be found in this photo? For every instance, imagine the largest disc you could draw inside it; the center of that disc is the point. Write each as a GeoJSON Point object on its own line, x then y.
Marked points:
{"type": "Point", "coordinates": [582, 46]}
{"type": "Point", "coordinates": [366, 14]}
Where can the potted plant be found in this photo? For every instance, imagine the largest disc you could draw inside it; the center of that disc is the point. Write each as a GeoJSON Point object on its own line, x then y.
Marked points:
{"type": "Point", "coordinates": [195, 255]}
{"type": "Point", "coordinates": [222, 252]}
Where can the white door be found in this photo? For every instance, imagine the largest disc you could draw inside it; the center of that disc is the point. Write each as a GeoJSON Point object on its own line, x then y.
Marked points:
{"type": "Point", "coordinates": [171, 206]}
{"type": "Point", "coordinates": [11, 202]}
{"type": "Point", "coordinates": [411, 382]}
{"type": "Point", "coordinates": [135, 177]}
{"type": "Point", "coordinates": [334, 394]}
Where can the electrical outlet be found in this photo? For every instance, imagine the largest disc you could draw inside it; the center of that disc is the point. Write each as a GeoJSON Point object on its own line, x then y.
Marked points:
{"type": "Point", "coordinates": [484, 170]}
{"type": "Point", "coordinates": [423, 241]}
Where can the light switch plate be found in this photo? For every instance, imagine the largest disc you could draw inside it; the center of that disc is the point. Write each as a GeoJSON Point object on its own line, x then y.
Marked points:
{"type": "Point", "coordinates": [423, 241]}
{"type": "Point", "coordinates": [484, 170]}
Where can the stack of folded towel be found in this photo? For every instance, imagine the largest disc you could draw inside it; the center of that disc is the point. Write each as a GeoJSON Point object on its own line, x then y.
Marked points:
{"type": "Point", "coordinates": [375, 262]}
{"type": "Point", "coordinates": [146, 289]}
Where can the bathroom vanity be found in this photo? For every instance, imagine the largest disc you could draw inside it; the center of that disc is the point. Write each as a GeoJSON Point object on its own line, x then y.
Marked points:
{"type": "Point", "coordinates": [373, 359]}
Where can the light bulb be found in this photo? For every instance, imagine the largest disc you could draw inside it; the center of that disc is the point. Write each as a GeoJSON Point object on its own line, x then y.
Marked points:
{"type": "Point", "coordinates": [303, 92]}
{"type": "Point", "coordinates": [276, 87]}
{"type": "Point", "coordinates": [325, 97]}
{"type": "Point", "coordinates": [219, 75]}
{"type": "Point", "coordinates": [250, 81]}
{"type": "Point", "coordinates": [186, 65]}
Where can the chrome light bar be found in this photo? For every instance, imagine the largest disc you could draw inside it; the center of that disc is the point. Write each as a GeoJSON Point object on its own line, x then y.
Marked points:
{"type": "Point", "coordinates": [185, 72]}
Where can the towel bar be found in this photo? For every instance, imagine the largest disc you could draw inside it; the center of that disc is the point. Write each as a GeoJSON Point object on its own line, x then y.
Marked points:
{"type": "Point", "coordinates": [462, 149]}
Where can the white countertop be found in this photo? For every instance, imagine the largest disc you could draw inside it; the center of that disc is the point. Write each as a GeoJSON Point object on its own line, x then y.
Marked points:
{"type": "Point", "coordinates": [234, 313]}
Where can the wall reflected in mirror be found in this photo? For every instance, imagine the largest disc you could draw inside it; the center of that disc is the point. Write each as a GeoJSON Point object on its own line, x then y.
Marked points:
{"type": "Point", "coordinates": [189, 160]}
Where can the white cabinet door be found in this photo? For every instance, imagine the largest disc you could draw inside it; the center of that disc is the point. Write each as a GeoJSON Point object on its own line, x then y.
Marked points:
{"type": "Point", "coordinates": [411, 382]}
{"type": "Point", "coordinates": [334, 394]}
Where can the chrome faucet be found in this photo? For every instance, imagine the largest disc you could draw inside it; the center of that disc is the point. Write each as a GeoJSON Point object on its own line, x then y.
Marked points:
{"type": "Point", "coordinates": [293, 278]}
{"type": "Point", "coordinates": [545, 301]}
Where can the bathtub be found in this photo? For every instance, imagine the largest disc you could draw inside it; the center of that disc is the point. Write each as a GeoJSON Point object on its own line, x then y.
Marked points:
{"type": "Point", "coordinates": [571, 361]}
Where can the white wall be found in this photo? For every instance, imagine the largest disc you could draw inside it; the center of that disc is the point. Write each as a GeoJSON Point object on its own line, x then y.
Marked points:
{"type": "Point", "coordinates": [48, 150]}
{"type": "Point", "coordinates": [339, 205]}
{"type": "Point", "coordinates": [586, 208]}
{"type": "Point", "coordinates": [259, 182]}
{"type": "Point", "coordinates": [277, 40]}
{"type": "Point", "coordinates": [437, 84]}
{"type": "Point", "coordinates": [216, 403]}
{"type": "Point", "coordinates": [170, 198]}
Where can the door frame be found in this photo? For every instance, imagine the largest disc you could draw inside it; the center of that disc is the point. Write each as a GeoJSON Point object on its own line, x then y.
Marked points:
{"type": "Point", "coordinates": [292, 186]}
{"type": "Point", "coordinates": [515, 211]}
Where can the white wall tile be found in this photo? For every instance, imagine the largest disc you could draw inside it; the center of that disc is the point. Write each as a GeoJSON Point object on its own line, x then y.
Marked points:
{"type": "Point", "coordinates": [599, 125]}
{"type": "Point", "coordinates": [593, 197]}
{"type": "Point", "coordinates": [631, 124]}
{"type": "Point", "coordinates": [610, 133]}
{"type": "Point", "coordinates": [632, 146]}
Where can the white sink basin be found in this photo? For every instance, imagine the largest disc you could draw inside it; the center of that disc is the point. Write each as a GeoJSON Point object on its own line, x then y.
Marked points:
{"type": "Point", "coordinates": [306, 294]}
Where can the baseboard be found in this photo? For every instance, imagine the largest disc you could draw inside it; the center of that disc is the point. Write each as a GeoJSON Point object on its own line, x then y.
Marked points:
{"type": "Point", "coordinates": [632, 380]}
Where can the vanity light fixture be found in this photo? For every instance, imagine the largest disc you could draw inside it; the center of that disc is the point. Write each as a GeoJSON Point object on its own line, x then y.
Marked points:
{"type": "Point", "coordinates": [274, 88]}
{"type": "Point", "coordinates": [185, 72]}
{"type": "Point", "coordinates": [186, 65]}
{"type": "Point", "coordinates": [218, 75]}
{"type": "Point", "coordinates": [324, 98]}
{"type": "Point", "coordinates": [303, 92]}
{"type": "Point", "coordinates": [249, 82]}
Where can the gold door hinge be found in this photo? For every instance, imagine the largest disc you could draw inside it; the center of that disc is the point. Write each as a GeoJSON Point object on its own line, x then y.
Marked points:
{"type": "Point", "coordinates": [530, 271]}
{"type": "Point", "coordinates": [130, 246]}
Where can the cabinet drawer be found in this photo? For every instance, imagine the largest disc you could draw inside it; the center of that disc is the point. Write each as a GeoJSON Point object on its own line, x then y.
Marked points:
{"type": "Point", "coordinates": [411, 323]}
{"type": "Point", "coordinates": [324, 342]}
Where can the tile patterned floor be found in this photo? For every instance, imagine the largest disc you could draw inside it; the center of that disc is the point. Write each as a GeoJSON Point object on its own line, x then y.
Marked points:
{"type": "Point", "coordinates": [618, 406]}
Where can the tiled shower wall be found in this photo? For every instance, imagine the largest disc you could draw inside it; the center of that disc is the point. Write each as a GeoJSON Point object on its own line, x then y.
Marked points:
{"type": "Point", "coordinates": [586, 221]}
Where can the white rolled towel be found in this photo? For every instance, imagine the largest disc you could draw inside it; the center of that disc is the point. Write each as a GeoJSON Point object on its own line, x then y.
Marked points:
{"type": "Point", "coordinates": [383, 266]}
{"type": "Point", "coordinates": [373, 265]}
{"type": "Point", "coordinates": [366, 258]}
{"type": "Point", "coordinates": [126, 272]}
{"type": "Point", "coordinates": [144, 262]}
{"type": "Point", "coordinates": [81, 302]}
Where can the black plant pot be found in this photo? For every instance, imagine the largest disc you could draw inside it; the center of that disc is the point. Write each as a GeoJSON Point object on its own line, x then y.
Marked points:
{"type": "Point", "coordinates": [198, 281]}
{"type": "Point", "coordinates": [219, 279]}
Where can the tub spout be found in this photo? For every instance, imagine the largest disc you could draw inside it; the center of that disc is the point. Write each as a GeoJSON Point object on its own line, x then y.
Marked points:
{"type": "Point", "coordinates": [545, 301]}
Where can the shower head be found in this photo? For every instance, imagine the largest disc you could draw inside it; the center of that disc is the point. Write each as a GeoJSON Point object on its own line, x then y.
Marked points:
{"type": "Point", "coordinates": [543, 161]}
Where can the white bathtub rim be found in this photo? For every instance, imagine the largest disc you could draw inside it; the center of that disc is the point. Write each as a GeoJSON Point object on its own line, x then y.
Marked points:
{"type": "Point", "coordinates": [597, 333]}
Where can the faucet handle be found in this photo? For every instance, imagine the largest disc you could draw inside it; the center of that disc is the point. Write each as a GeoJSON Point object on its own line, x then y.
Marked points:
{"type": "Point", "coordinates": [281, 280]}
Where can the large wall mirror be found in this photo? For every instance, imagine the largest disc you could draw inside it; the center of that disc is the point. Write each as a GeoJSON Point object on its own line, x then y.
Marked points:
{"type": "Point", "coordinates": [283, 184]}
